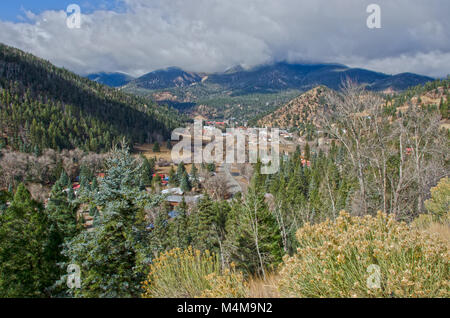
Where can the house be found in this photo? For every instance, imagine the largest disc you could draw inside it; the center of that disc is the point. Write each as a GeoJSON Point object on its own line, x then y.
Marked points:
{"type": "Point", "coordinates": [175, 200]}
{"type": "Point", "coordinates": [173, 191]}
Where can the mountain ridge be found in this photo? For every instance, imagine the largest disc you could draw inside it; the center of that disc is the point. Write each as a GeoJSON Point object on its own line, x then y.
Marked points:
{"type": "Point", "coordinates": [114, 79]}
{"type": "Point", "coordinates": [244, 93]}
{"type": "Point", "coordinates": [283, 76]}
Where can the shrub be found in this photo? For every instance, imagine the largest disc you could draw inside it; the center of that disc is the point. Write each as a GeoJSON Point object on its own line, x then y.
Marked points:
{"type": "Point", "coordinates": [333, 260]}
{"type": "Point", "coordinates": [228, 285]}
{"type": "Point", "coordinates": [439, 203]}
{"type": "Point", "coordinates": [190, 273]}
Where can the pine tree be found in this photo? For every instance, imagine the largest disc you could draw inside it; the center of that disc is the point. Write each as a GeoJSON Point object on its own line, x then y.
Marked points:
{"type": "Point", "coordinates": [180, 231]}
{"type": "Point", "coordinates": [173, 180]}
{"type": "Point", "coordinates": [25, 253]}
{"type": "Point", "coordinates": [114, 254]}
{"type": "Point", "coordinates": [160, 236]}
{"type": "Point", "coordinates": [253, 237]}
{"type": "Point", "coordinates": [209, 225]}
{"type": "Point", "coordinates": [147, 171]}
{"type": "Point", "coordinates": [185, 184]}
{"type": "Point", "coordinates": [180, 171]}
{"type": "Point", "coordinates": [63, 222]}
{"type": "Point", "coordinates": [194, 176]}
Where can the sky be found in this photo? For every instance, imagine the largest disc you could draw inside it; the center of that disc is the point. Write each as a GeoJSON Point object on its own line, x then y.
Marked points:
{"type": "Point", "coordinates": [139, 36]}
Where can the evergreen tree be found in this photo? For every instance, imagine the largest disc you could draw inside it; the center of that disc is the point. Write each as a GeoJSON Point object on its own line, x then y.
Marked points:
{"type": "Point", "coordinates": [63, 223]}
{"type": "Point", "coordinates": [209, 225]}
{"type": "Point", "coordinates": [113, 256]}
{"type": "Point", "coordinates": [180, 171]}
{"type": "Point", "coordinates": [185, 184]}
{"type": "Point", "coordinates": [25, 253]}
{"type": "Point", "coordinates": [161, 239]}
{"type": "Point", "coordinates": [194, 176]}
{"type": "Point", "coordinates": [180, 231]}
{"type": "Point", "coordinates": [253, 237]}
{"type": "Point", "coordinates": [147, 171]}
{"type": "Point", "coordinates": [173, 180]}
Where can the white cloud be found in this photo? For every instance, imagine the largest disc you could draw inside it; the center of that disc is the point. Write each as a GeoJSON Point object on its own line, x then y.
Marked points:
{"type": "Point", "coordinates": [211, 35]}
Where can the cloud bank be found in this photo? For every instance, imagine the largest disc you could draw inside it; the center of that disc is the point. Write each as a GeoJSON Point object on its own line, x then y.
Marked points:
{"type": "Point", "coordinates": [212, 35]}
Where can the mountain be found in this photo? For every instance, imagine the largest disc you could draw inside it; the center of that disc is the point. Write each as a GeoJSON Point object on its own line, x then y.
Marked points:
{"type": "Point", "coordinates": [299, 112]}
{"type": "Point", "coordinates": [245, 93]}
{"type": "Point", "coordinates": [111, 79]}
{"type": "Point", "coordinates": [42, 106]}
{"type": "Point", "coordinates": [400, 82]}
{"type": "Point", "coordinates": [277, 77]}
{"type": "Point", "coordinates": [167, 78]}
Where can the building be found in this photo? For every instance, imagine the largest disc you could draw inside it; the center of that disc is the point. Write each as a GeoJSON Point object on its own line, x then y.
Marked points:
{"type": "Point", "coordinates": [175, 200]}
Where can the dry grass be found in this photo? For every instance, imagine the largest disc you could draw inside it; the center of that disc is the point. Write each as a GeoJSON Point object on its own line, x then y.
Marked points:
{"type": "Point", "coordinates": [147, 150]}
{"type": "Point", "coordinates": [166, 154]}
{"type": "Point", "coordinates": [442, 230]}
{"type": "Point", "coordinates": [260, 288]}
{"type": "Point", "coordinates": [426, 224]}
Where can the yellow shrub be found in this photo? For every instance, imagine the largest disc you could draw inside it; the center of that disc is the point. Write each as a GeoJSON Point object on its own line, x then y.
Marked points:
{"type": "Point", "coordinates": [228, 285]}
{"type": "Point", "coordinates": [341, 259]}
{"type": "Point", "coordinates": [190, 273]}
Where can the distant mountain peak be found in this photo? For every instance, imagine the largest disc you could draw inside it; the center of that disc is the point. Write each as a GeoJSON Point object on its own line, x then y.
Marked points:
{"type": "Point", "coordinates": [169, 77]}
{"type": "Point", "coordinates": [113, 79]}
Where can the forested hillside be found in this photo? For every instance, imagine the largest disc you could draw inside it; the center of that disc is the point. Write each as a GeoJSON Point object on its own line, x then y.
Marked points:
{"type": "Point", "coordinates": [302, 112]}
{"type": "Point", "coordinates": [43, 106]}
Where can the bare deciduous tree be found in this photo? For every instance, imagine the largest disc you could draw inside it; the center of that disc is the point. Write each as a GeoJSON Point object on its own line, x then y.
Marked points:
{"type": "Point", "coordinates": [217, 187]}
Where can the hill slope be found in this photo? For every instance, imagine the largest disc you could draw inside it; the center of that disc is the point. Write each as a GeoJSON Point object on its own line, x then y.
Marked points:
{"type": "Point", "coordinates": [42, 106]}
{"type": "Point", "coordinates": [300, 111]}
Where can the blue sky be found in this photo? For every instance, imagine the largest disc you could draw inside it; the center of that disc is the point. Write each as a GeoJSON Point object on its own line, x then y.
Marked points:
{"type": "Point", "coordinates": [14, 11]}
